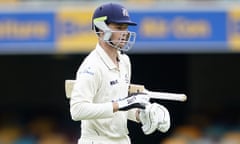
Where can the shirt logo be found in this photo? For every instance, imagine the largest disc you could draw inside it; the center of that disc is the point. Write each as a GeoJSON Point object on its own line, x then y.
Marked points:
{"type": "Point", "coordinates": [87, 71]}
{"type": "Point", "coordinates": [113, 82]}
{"type": "Point", "coordinates": [131, 100]}
{"type": "Point", "coordinates": [125, 12]}
{"type": "Point", "coordinates": [126, 78]}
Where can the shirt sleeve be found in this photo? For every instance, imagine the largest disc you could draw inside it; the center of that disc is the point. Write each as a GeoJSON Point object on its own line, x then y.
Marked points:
{"type": "Point", "coordinates": [84, 90]}
{"type": "Point", "coordinates": [132, 115]}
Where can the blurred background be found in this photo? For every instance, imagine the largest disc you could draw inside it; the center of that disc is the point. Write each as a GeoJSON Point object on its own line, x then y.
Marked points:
{"type": "Point", "coordinates": [185, 46]}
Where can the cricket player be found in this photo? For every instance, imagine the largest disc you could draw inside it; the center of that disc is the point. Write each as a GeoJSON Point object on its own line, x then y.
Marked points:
{"type": "Point", "coordinates": [100, 98]}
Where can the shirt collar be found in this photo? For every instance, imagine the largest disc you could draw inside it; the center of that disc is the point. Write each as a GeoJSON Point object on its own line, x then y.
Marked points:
{"type": "Point", "coordinates": [105, 58]}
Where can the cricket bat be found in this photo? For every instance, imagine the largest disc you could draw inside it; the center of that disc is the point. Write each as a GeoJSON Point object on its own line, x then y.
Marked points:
{"type": "Point", "coordinates": [136, 88]}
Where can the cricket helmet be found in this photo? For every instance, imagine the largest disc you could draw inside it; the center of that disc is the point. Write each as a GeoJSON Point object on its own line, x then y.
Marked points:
{"type": "Point", "coordinates": [113, 13]}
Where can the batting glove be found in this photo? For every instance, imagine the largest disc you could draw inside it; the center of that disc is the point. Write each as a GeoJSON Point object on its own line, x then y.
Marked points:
{"type": "Point", "coordinates": [165, 122]}
{"type": "Point", "coordinates": [135, 100]}
{"type": "Point", "coordinates": [154, 117]}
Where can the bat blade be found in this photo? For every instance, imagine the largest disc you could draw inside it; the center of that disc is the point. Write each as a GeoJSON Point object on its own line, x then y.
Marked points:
{"type": "Point", "coordinates": [166, 96]}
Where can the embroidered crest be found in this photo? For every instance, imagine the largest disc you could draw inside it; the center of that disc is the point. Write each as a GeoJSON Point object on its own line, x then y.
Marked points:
{"type": "Point", "coordinates": [126, 78]}
{"type": "Point", "coordinates": [88, 70]}
{"type": "Point", "coordinates": [125, 12]}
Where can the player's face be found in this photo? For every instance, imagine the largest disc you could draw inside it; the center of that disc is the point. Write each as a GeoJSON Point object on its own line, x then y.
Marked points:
{"type": "Point", "coordinates": [121, 33]}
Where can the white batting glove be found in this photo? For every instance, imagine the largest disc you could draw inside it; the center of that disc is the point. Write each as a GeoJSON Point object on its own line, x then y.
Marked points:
{"type": "Point", "coordinates": [154, 117]}
{"type": "Point", "coordinates": [135, 100]}
{"type": "Point", "coordinates": [164, 123]}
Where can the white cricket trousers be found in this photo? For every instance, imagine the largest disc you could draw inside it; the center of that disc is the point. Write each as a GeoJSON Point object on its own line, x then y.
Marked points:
{"type": "Point", "coordinates": [124, 140]}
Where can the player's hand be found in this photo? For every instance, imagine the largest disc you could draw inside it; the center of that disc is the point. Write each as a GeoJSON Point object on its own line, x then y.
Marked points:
{"type": "Point", "coordinates": [154, 117]}
{"type": "Point", "coordinates": [135, 100]}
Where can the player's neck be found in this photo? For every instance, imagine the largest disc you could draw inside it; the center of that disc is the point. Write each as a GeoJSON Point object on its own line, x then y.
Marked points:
{"type": "Point", "coordinates": [112, 53]}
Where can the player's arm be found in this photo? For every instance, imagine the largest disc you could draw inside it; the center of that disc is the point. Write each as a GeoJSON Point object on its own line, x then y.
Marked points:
{"type": "Point", "coordinates": [82, 93]}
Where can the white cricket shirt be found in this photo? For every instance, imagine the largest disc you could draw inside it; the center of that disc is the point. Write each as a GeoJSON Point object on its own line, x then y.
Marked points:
{"type": "Point", "coordinates": [98, 82]}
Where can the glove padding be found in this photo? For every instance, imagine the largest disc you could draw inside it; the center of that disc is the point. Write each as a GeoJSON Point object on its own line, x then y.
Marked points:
{"type": "Point", "coordinates": [154, 117]}
{"type": "Point", "coordinates": [135, 100]}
